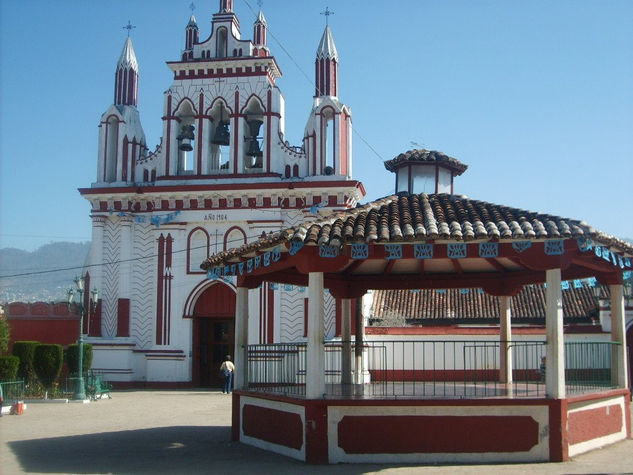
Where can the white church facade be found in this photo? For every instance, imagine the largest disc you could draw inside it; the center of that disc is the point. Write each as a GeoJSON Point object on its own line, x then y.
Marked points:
{"type": "Point", "coordinates": [222, 175]}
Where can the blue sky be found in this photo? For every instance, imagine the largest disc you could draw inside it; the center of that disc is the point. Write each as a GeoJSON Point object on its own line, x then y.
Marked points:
{"type": "Point", "coordinates": [535, 96]}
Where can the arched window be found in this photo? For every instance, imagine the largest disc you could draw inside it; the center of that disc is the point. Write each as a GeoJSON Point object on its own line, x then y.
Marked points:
{"type": "Point", "coordinates": [234, 51]}
{"type": "Point", "coordinates": [111, 151]}
{"type": "Point", "coordinates": [145, 175]}
{"type": "Point", "coordinates": [295, 170]}
{"type": "Point", "coordinates": [234, 237]}
{"type": "Point", "coordinates": [221, 43]}
{"type": "Point", "coordinates": [197, 249]}
{"type": "Point", "coordinates": [287, 174]}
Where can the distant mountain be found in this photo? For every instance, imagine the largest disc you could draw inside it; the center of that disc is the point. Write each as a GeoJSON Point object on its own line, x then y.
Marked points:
{"type": "Point", "coordinates": [35, 284]}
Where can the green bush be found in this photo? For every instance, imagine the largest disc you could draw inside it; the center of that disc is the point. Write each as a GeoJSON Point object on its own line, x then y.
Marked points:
{"type": "Point", "coordinates": [72, 357]}
{"type": "Point", "coordinates": [25, 350]}
{"type": "Point", "coordinates": [9, 368]}
{"type": "Point", "coordinates": [5, 333]}
{"type": "Point", "coordinates": [48, 363]}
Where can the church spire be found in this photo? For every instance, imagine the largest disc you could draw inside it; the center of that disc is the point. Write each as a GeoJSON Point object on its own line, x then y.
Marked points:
{"type": "Point", "coordinates": [259, 30]}
{"type": "Point", "coordinates": [126, 77]}
{"type": "Point", "coordinates": [192, 35]}
{"type": "Point", "coordinates": [226, 6]}
{"type": "Point", "coordinates": [326, 66]}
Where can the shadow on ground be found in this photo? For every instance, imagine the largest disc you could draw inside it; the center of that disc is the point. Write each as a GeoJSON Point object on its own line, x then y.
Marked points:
{"type": "Point", "coordinates": [178, 449]}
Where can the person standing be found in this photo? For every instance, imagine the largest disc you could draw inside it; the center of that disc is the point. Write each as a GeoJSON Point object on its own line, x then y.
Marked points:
{"type": "Point", "coordinates": [227, 370]}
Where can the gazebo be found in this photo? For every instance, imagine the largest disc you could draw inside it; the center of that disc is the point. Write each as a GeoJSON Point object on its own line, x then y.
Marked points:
{"type": "Point", "coordinates": [352, 401]}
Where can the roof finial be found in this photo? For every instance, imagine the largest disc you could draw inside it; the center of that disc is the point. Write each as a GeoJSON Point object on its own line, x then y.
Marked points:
{"type": "Point", "coordinates": [192, 7]}
{"type": "Point", "coordinates": [259, 3]}
{"type": "Point", "coordinates": [327, 14]}
{"type": "Point", "coordinates": [128, 27]}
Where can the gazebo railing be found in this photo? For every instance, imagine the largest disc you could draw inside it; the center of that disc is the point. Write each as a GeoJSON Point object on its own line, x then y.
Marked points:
{"type": "Point", "coordinates": [431, 369]}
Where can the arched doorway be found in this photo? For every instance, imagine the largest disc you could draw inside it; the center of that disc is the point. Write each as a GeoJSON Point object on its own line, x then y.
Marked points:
{"type": "Point", "coordinates": [213, 333]}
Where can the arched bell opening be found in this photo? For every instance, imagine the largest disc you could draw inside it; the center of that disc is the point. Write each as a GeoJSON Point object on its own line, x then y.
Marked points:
{"type": "Point", "coordinates": [186, 139]}
{"type": "Point", "coordinates": [220, 139]}
{"type": "Point", "coordinates": [328, 141]}
{"type": "Point", "coordinates": [253, 158]}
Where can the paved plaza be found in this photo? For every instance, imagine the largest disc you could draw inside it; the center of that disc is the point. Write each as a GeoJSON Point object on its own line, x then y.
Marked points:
{"type": "Point", "coordinates": [184, 432]}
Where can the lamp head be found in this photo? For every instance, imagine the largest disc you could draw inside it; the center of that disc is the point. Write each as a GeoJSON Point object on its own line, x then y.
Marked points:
{"type": "Point", "coordinates": [70, 294]}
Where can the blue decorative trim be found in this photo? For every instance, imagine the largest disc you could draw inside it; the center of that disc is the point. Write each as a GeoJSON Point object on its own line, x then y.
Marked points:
{"type": "Point", "coordinates": [577, 284]}
{"type": "Point", "coordinates": [328, 251]}
{"type": "Point", "coordinates": [554, 247]}
{"type": "Point", "coordinates": [249, 266]}
{"type": "Point", "coordinates": [521, 246]}
{"type": "Point", "coordinates": [258, 261]}
{"type": "Point", "coordinates": [359, 251]}
{"type": "Point", "coordinates": [393, 251]}
{"type": "Point", "coordinates": [276, 254]}
{"type": "Point", "coordinates": [584, 244]}
{"type": "Point", "coordinates": [266, 259]}
{"type": "Point", "coordinates": [592, 281]}
{"type": "Point", "coordinates": [565, 285]}
{"type": "Point", "coordinates": [456, 250]}
{"type": "Point", "coordinates": [227, 270]}
{"type": "Point", "coordinates": [440, 291]}
{"type": "Point", "coordinates": [295, 246]}
{"type": "Point", "coordinates": [233, 269]}
{"type": "Point", "coordinates": [464, 291]}
{"type": "Point", "coordinates": [288, 287]}
{"type": "Point", "coordinates": [423, 251]}
{"type": "Point", "coordinates": [240, 268]}
{"type": "Point", "coordinates": [273, 286]}
{"type": "Point", "coordinates": [488, 249]}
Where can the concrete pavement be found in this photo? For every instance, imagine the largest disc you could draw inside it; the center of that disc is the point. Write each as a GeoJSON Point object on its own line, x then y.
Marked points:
{"type": "Point", "coordinates": [185, 432]}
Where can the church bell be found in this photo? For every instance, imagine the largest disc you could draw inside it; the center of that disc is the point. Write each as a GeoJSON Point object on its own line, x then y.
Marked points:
{"type": "Point", "coordinates": [222, 135]}
{"type": "Point", "coordinates": [185, 138]}
{"type": "Point", "coordinates": [253, 149]}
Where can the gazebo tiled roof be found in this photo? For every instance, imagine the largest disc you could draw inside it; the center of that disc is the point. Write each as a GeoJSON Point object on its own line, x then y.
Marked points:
{"type": "Point", "coordinates": [426, 157]}
{"type": "Point", "coordinates": [406, 218]}
{"type": "Point", "coordinates": [431, 307]}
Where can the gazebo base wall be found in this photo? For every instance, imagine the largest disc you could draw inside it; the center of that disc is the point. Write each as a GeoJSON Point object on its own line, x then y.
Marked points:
{"type": "Point", "coordinates": [430, 431]}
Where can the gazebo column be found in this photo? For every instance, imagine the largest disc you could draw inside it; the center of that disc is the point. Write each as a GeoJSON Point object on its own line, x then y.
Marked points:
{"type": "Point", "coordinates": [359, 343]}
{"type": "Point", "coordinates": [346, 337]}
{"type": "Point", "coordinates": [618, 336]}
{"type": "Point", "coordinates": [315, 354]}
{"type": "Point", "coordinates": [241, 339]}
{"type": "Point", "coordinates": [505, 343]}
{"type": "Point", "coordinates": [555, 364]}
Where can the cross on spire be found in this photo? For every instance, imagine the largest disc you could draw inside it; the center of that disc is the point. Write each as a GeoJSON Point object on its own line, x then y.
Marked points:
{"type": "Point", "coordinates": [128, 27]}
{"type": "Point", "coordinates": [192, 7]}
{"type": "Point", "coordinates": [327, 14]}
{"type": "Point", "coordinates": [259, 3]}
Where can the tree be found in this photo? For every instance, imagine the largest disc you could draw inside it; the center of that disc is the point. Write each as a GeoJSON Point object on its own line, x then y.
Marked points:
{"type": "Point", "coordinates": [5, 333]}
{"type": "Point", "coordinates": [72, 357]}
{"type": "Point", "coordinates": [47, 363]}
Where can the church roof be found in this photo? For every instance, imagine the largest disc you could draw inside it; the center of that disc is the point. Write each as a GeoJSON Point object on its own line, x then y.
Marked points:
{"type": "Point", "coordinates": [426, 217]}
{"type": "Point", "coordinates": [128, 57]}
{"type": "Point", "coordinates": [192, 21]}
{"type": "Point", "coordinates": [426, 156]}
{"type": "Point", "coordinates": [433, 307]}
{"type": "Point", "coordinates": [261, 18]}
{"type": "Point", "coordinates": [327, 48]}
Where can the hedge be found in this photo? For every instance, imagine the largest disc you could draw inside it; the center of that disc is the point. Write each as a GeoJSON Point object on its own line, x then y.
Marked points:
{"type": "Point", "coordinates": [9, 368]}
{"type": "Point", "coordinates": [72, 357]}
{"type": "Point", "coordinates": [25, 350]}
{"type": "Point", "coordinates": [48, 363]}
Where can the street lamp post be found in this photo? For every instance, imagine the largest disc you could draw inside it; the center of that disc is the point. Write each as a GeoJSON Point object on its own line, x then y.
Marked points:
{"type": "Point", "coordinates": [80, 388]}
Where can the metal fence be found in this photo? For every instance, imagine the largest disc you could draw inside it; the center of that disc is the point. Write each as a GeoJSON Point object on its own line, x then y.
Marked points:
{"type": "Point", "coordinates": [431, 369]}
{"type": "Point", "coordinates": [13, 391]}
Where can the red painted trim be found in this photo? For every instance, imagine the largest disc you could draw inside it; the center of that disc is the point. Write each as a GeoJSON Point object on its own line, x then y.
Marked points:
{"type": "Point", "coordinates": [269, 102]}
{"type": "Point", "coordinates": [316, 441]}
{"type": "Point", "coordinates": [437, 434]}
{"type": "Point", "coordinates": [273, 425]}
{"type": "Point", "coordinates": [123, 318]}
{"type": "Point", "coordinates": [125, 158]}
{"type": "Point", "coordinates": [270, 311]}
{"type": "Point", "coordinates": [235, 418]}
{"type": "Point", "coordinates": [159, 290]}
{"type": "Point", "coordinates": [594, 423]}
{"type": "Point", "coordinates": [236, 133]}
{"type": "Point", "coordinates": [199, 142]}
{"type": "Point", "coordinates": [168, 141]}
{"type": "Point", "coordinates": [558, 447]}
{"type": "Point", "coordinates": [167, 313]}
